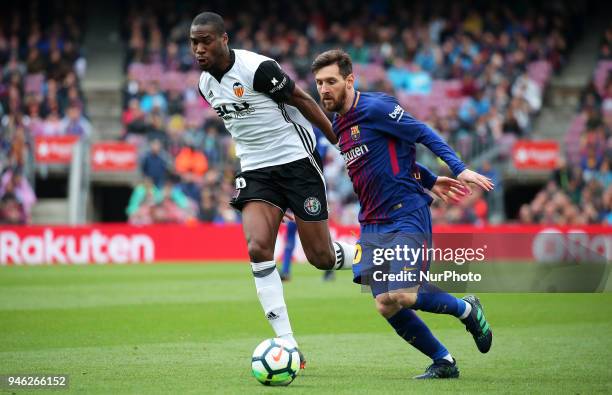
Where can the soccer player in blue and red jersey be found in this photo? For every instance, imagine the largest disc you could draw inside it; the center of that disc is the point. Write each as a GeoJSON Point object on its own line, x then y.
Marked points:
{"type": "Point", "coordinates": [443, 187]}
{"type": "Point", "coordinates": [378, 140]}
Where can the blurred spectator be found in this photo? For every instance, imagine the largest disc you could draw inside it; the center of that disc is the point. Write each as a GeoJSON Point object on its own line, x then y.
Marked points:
{"type": "Point", "coordinates": [13, 142]}
{"type": "Point", "coordinates": [156, 129]}
{"type": "Point", "coordinates": [74, 123]}
{"type": "Point", "coordinates": [212, 144]}
{"type": "Point", "coordinates": [143, 197]}
{"type": "Point", "coordinates": [176, 130]}
{"type": "Point", "coordinates": [53, 125]}
{"type": "Point", "coordinates": [11, 212]}
{"type": "Point", "coordinates": [207, 209]}
{"type": "Point", "coordinates": [148, 204]}
{"type": "Point", "coordinates": [174, 206]}
{"type": "Point", "coordinates": [190, 161]}
{"type": "Point", "coordinates": [58, 67]}
{"type": "Point", "coordinates": [175, 102]}
{"type": "Point", "coordinates": [17, 198]}
{"type": "Point", "coordinates": [526, 89]}
{"type": "Point", "coordinates": [156, 163]}
{"type": "Point", "coordinates": [133, 119]}
{"type": "Point", "coordinates": [191, 186]}
{"type": "Point", "coordinates": [593, 146]}
{"type": "Point", "coordinates": [35, 62]}
{"type": "Point", "coordinates": [602, 174]}
{"type": "Point", "coordinates": [153, 99]}
{"type": "Point", "coordinates": [474, 107]}
{"type": "Point", "coordinates": [590, 97]}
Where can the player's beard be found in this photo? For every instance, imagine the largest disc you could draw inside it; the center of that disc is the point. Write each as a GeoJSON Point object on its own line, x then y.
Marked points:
{"type": "Point", "coordinates": [337, 104]}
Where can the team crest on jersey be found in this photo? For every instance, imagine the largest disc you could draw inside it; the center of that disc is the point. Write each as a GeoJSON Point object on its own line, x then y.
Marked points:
{"type": "Point", "coordinates": [238, 89]}
{"type": "Point", "coordinates": [312, 206]}
{"type": "Point", "coordinates": [355, 133]}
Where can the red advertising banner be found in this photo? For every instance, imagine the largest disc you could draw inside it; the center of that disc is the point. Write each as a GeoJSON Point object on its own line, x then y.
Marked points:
{"type": "Point", "coordinates": [122, 243]}
{"type": "Point", "coordinates": [539, 155]}
{"type": "Point", "coordinates": [54, 149]}
{"type": "Point", "coordinates": [113, 156]}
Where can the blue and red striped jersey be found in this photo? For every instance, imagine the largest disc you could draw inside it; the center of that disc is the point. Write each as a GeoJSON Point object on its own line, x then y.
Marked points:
{"type": "Point", "coordinates": [378, 143]}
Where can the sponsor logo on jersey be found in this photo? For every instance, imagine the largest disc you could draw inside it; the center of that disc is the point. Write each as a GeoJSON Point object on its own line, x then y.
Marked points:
{"type": "Point", "coordinates": [355, 133]}
{"type": "Point", "coordinates": [354, 153]}
{"type": "Point", "coordinates": [278, 86]}
{"type": "Point", "coordinates": [397, 114]}
{"type": "Point", "coordinates": [238, 89]}
{"type": "Point", "coordinates": [234, 110]}
{"type": "Point", "coordinates": [210, 94]}
{"type": "Point", "coordinates": [312, 206]}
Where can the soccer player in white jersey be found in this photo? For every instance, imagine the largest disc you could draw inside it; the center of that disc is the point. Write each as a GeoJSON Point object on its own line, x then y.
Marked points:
{"type": "Point", "coordinates": [269, 118]}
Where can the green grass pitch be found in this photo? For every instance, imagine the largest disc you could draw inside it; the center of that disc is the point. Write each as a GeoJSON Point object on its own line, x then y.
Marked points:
{"type": "Point", "coordinates": [181, 328]}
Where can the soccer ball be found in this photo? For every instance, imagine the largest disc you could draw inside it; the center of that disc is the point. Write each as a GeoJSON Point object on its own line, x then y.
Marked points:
{"type": "Point", "coordinates": [275, 362]}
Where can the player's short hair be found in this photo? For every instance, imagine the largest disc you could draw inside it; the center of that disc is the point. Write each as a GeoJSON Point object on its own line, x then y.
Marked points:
{"type": "Point", "coordinates": [333, 56]}
{"type": "Point", "coordinates": [211, 19]}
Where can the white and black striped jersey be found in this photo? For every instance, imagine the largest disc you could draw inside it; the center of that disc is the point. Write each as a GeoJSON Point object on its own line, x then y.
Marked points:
{"type": "Point", "coordinates": [250, 98]}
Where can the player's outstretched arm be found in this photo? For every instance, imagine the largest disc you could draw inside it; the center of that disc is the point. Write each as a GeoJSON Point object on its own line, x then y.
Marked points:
{"type": "Point", "coordinates": [397, 122]}
{"type": "Point", "coordinates": [312, 112]}
{"type": "Point", "coordinates": [438, 146]}
{"type": "Point", "coordinates": [400, 124]}
{"type": "Point", "coordinates": [405, 127]}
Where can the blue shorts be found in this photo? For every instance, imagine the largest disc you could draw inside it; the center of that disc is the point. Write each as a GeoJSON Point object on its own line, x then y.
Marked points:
{"type": "Point", "coordinates": [390, 255]}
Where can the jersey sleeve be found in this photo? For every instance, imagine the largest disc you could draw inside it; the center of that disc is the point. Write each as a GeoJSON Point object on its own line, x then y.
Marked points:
{"type": "Point", "coordinates": [428, 178]}
{"type": "Point", "coordinates": [272, 81]}
{"type": "Point", "coordinates": [392, 119]}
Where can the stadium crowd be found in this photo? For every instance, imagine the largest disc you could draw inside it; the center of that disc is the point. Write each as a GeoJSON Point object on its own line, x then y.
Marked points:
{"type": "Point", "coordinates": [580, 190]}
{"type": "Point", "coordinates": [477, 76]}
{"type": "Point", "coordinates": [40, 94]}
